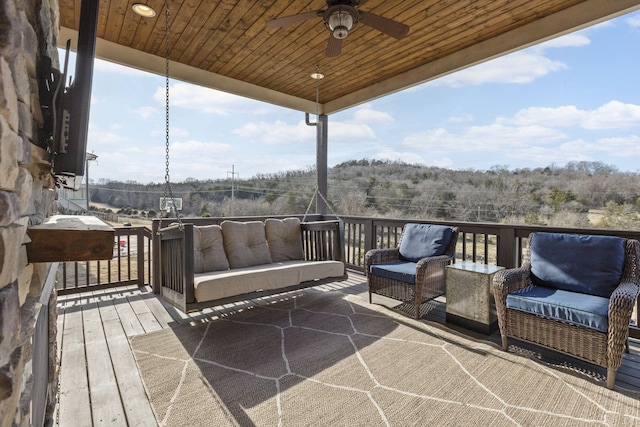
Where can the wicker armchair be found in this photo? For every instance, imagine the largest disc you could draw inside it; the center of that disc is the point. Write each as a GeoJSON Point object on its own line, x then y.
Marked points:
{"type": "Point", "coordinates": [403, 274]}
{"type": "Point", "coordinates": [596, 338]}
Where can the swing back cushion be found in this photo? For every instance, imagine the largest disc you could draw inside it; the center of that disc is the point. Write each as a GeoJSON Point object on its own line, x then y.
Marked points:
{"type": "Point", "coordinates": [284, 238]}
{"type": "Point", "coordinates": [245, 243]}
{"type": "Point", "coordinates": [208, 254]}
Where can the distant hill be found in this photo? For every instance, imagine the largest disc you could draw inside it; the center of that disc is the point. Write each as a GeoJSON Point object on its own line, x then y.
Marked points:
{"type": "Point", "coordinates": [562, 196]}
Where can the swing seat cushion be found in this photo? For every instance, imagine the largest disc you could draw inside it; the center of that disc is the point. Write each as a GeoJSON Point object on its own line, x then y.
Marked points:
{"type": "Point", "coordinates": [284, 238]}
{"type": "Point", "coordinates": [208, 249]}
{"type": "Point", "coordinates": [223, 284]}
{"type": "Point", "coordinates": [245, 243]}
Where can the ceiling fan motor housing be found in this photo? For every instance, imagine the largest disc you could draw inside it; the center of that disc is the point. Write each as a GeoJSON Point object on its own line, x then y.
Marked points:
{"type": "Point", "coordinates": [340, 19]}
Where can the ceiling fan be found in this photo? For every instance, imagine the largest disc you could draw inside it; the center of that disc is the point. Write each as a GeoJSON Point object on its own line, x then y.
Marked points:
{"type": "Point", "coordinates": [340, 17]}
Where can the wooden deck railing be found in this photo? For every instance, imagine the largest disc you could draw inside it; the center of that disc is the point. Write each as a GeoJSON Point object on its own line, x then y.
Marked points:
{"type": "Point", "coordinates": [490, 243]}
{"type": "Point", "coordinates": [498, 244]}
{"type": "Point", "coordinates": [130, 265]}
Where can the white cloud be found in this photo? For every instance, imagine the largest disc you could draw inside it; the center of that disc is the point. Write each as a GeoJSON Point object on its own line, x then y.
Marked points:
{"type": "Point", "coordinates": [276, 133]}
{"type": "Point", "coordinates": [99, 137]}
{"type": "Point", "coordinates": [403, 156]}
{"type": "Point", "coordinates": [577, 39]}
{"type": "Point", "coordinates": [634, 20]}
{"type": "Point", "coordinates": [208, 101]}
{"type": "Point", "coordinates": [519, 67]}
{"type": "Point", "coordinates": [194, 148]}
{"type": "Point", "coordinates": [279, 132]}
{"type": "Point", "coordinates": [366, 114]}
{"type": "Point", "coordinates": [625, 146]}
{"type": "Point", "coordinates": [146, 112]}
{"type": "Point", "coordinates": [538, 155]}
{"type": "Point", "coordinates": [612, 115]}
{"type": "Point", "coordinates": [346, 131]}
{"type": "Point", "coordinates": [493, 138]}
{"type": "Point", "coordinates": [581, 150]}
{"type": "Point", "coordinates": [174, 132]}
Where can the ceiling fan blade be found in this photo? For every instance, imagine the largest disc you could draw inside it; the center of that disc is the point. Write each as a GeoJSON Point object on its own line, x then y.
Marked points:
{"type": "Point", "coordinates": [286, 20]}
{"type": "Point", "coordinates": [388, 26]}
{"type": "Point", "coordinates": [334, 46]}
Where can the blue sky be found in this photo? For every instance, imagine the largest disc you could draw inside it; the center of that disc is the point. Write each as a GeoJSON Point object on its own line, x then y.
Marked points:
{"type": "Point", "coordinates": [574, 98]}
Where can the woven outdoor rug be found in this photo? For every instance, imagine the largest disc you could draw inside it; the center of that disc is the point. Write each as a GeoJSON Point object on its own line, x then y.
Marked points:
{"type": "Point", "coordinates": [326, 359]}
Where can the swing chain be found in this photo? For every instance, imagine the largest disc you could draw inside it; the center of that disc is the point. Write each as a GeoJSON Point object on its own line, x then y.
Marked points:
{"type": "Point", "coordinates": [316, 192]}
{"type": "Point", "coordinates": [168, 193]}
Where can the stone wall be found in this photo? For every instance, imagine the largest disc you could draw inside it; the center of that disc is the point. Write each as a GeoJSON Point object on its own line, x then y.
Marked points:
{"type": "Point", "coordinates": [28, 33]}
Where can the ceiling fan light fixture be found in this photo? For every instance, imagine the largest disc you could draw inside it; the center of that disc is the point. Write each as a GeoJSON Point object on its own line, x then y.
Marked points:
{"type": "Point", "coordinates": [340, 22]}
{"type": "Point", "coordinates": [144, 10]}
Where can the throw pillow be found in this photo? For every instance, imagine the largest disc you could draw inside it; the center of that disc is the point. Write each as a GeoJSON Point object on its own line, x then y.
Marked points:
{"type": "Point", "coordinates": [245, 243]}
{"type": "Point", "coordinates": [208, 249]}
{"type": "Point", "coordinates": [284, 239]}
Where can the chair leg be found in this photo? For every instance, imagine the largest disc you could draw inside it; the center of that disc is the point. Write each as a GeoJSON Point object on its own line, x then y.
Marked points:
{"type": "Point", "coordinates": [505, 346]}
{"type": "Point", "coordinates": [611, 379]}
{"type": "Point", "coordinates": [370, 302]}
{"type": "Point", "coordinates": [626, 346]}
{"type": "Point", "coordinates": [417, 311]}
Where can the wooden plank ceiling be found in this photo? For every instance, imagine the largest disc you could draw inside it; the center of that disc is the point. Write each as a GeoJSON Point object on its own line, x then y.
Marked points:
{"type": "Point", "coordinates": [226, 45]}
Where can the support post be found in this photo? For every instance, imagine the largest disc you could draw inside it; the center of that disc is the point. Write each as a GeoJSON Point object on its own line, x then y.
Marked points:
{"type": "Point", "coordinates": [322, 129]}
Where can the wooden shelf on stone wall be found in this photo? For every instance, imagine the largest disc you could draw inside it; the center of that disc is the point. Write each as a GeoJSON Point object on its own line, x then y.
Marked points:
{"type": "Point", "coordinates": [70, 238]}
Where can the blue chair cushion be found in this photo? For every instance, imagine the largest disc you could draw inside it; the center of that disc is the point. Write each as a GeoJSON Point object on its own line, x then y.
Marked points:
{"type": "Point", "coordinates": [577, 263]}
{"type": "Point", "coordinates": [402, 271]}
{"type": "Point", "coordinates": [579, 309]}
{"type": "Point", "coordinates": [424, 240]}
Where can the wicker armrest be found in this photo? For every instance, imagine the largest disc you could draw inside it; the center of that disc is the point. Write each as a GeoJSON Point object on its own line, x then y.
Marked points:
{"type": "Point", "coordinates": [378, 256]}
{"type": "Point", "coordinates": [510, 280]}
{"type": "Point", "coordinates": [621, 304]}
{"type": "Point", "coordinates": [424, 263]}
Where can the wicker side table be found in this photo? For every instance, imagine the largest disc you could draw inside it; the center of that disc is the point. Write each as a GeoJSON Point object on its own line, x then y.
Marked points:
{"type": "Point", "coordinates": [470, 300]}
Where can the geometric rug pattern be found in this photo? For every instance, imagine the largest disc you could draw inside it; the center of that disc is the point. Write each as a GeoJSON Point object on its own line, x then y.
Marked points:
{"type": "Point", "coordinates": [319, 358]}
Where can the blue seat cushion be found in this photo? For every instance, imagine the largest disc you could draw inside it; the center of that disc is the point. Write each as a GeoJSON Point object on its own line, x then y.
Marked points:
{"type": "Point", "coordinates": [403, 271]}
{"type": "Point", "coordinates": [577, 263]}
{"type": "Point", "coordinates": [424, 240]}
{"type": "Point", "coordinates": [579, 309]}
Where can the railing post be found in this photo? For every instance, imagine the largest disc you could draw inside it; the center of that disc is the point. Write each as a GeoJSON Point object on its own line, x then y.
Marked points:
{"type": "Point", "coordinates": [369, 238]}
{"type": "Point", "coordinates": [506, 256]}
{"type": "Point", "coordinates": [155, 257]}
{"type": "Point", "coordinates": [140, 259]}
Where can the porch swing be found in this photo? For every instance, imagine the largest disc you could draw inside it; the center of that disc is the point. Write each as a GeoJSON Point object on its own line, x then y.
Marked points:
{"type": "Point", "coordinates": [206, 262]}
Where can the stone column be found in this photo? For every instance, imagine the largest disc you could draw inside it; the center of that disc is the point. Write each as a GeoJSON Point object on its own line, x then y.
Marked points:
{"type": "Point", "coordinates": [28, 35]}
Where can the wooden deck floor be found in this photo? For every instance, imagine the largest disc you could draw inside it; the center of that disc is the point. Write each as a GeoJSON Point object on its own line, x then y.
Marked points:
{"type": "Point", "coordinates": [99, 380]}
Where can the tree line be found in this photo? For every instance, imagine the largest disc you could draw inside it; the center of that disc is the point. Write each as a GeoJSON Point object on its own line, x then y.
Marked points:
{"type": "Point", "coordinates": [578, 194]}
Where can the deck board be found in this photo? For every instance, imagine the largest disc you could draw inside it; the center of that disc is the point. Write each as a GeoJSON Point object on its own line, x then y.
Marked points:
{"type": "Point", "coordinates": [74, 403]}
{"type": "Point", "coordinates": [130, 386]}
{"type": "Point", "coordinates": [106, 404]}
{"type": "Point", "coordinates": [109, 385]}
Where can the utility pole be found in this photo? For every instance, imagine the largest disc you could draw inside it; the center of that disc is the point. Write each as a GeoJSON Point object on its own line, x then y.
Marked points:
{"type": "Point", "coordinates": [233, 176]}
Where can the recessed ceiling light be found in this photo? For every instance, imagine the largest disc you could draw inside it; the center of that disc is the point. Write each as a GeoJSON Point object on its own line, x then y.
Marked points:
{"type": "Point", "coordinates": [144, 10]}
